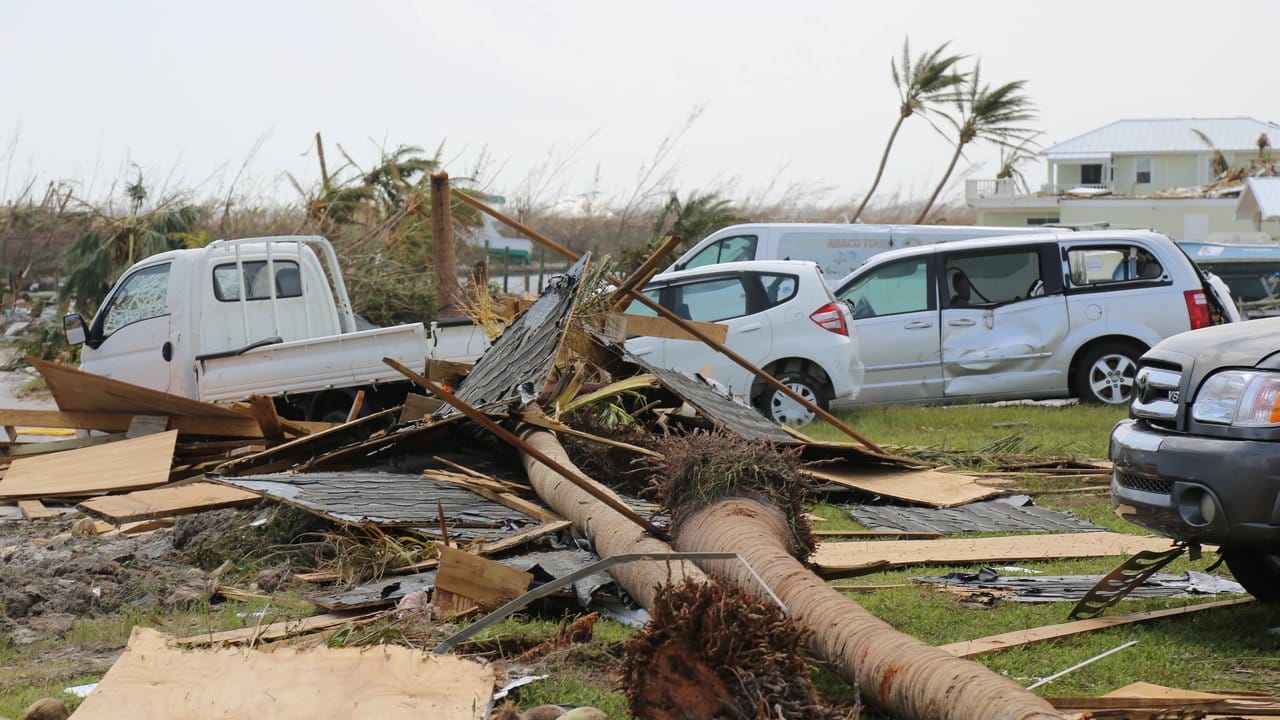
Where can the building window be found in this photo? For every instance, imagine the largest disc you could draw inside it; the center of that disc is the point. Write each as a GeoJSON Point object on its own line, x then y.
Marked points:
{"type": "Point", "coordinates": [1041, 220]}
{"type": "Point", "coordinates": [1091, 174]}
{"type": "Point", "coordinates": [1143, 170]}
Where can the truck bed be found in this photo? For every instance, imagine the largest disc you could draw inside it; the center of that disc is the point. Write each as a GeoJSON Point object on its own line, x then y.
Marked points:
{"type": "Point", "coordinates": [304, 366]}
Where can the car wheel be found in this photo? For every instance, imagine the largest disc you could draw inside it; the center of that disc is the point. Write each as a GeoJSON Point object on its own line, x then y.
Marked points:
{"type": "Point", "coordinates": [1105, 374]}
{"type": "Point", "coordinates": [783, 410]}
{"type": "Point", "coordinates": [1257, 571]}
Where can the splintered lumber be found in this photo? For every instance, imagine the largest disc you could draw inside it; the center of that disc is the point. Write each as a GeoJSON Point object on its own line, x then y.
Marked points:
{"type": "Point", "coordinates": [155, 678]}
{"type": "Point", "coordinates": [1016, 638]}
{"type": "Point", "coordinates": [75, 390]}
{"type": "Point", "coordinates": [483, 583]}
{"type": "Point", "coordinates": [926, 487]}
{"type": "Point", "coordinates": [109, 421]}
{"type": "Point", "coordinates": [264, 413]}
{"type": "Point", "coordinates": [852, 557]}
{"type": "Point", "coordinates": [124, 465]}
{"type": "Point", "coordinates": [168, 501]}
{"type": "Point", "coordinates": [280, 630]}
{"type": "Point", "coordinates": [496, 494]}
{"type": "Point", "coordinates": [35, 510]}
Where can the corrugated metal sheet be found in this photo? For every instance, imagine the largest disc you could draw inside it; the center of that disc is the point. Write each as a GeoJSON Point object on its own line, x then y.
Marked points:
{"type": "Point", "coordinates": [1016, 514]}
{"type": "Point", "coordinates": [1261, 194]}
{"type": "Point", "coordinates": [1166, 135]}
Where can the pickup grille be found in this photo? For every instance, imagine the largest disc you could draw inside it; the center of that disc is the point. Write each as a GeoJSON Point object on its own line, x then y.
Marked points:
{"type": "Point", "coordinates": [1157, 394]}
{"type": "Point", "coordinates": [1143, 484]}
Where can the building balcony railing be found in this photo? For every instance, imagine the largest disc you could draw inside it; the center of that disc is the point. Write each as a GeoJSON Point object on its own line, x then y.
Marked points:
{"type": "Point", "coordinates": [1008, 189]}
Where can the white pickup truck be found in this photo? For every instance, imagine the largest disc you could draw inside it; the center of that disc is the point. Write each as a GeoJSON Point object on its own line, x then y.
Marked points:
{"type": "Point", "coordinates": [257, 316]}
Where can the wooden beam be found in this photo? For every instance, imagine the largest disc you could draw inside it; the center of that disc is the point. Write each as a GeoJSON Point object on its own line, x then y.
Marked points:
{"type": "Point", "coordinates": [663, 328]}
{"type": "Point", "coordinates": [108, 421]}
{"type": "Point", "coordinates": [356, 404]}
{"type": "Point", "coordinates": [264, 413]}
{"type": "Point", "coordinates": [583, 482]}
{"type": "Point", "coordinates": [1018, 638]}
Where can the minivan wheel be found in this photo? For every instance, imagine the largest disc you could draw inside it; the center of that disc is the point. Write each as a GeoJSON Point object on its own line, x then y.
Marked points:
{"type": "Point", "coordinates": [783, 410]}
{"type": "Point", "coordinates": [1106, 373]}
{"type": "Point", "coordinates": [1257, 571]}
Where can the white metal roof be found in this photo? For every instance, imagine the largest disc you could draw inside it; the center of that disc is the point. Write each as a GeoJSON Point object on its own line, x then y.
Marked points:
{"type": "Point", "coordinates": [1261, 194]}
{"type": "Point", "coordinates": [1165, 135]}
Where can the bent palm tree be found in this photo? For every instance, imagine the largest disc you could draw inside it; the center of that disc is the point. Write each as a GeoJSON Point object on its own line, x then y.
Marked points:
{"type": "Point", "coordinates": [931, 78]}
{"type": "Point", "coordinates": [986, 113]}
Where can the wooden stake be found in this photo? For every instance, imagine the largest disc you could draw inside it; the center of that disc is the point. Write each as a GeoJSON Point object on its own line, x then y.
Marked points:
{"type": "Point", "coordinates": [583, 482]}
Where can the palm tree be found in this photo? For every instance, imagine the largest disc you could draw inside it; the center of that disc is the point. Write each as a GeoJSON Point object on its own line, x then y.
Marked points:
{"type": "Point", "coordinates": [986, 113]}
{"type": "Point", "coordinates": [930, 79]}
{"type": "Point", "coordinates": [1012, 156]}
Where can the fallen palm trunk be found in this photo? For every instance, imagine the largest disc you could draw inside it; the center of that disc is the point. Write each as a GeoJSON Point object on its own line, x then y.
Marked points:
{"type": "Point", "coordinates": [608, 530]}
{"type": "Point", "coordinates": [725, 497]}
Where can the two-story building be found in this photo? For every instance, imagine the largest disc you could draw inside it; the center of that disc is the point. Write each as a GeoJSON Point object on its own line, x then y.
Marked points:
{"type": "Point", "coordinates": [1155, 173]}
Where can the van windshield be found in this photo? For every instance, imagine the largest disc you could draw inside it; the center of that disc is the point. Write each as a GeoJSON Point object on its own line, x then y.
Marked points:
{"type": "Point", "coordinates": [730, 249]}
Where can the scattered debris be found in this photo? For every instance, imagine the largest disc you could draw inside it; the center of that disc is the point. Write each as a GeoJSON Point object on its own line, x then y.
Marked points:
{"type": "Point", "coordinates": [1058, 588]}
{"type": "Point", "coordinates": [1018, 513]}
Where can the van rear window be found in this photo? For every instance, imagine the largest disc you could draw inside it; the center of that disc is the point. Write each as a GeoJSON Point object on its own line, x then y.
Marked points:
{"type": "Point", "coordinates": [227, 283]}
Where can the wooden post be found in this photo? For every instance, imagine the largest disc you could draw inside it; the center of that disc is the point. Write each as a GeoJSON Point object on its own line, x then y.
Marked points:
{"type": "Point", "coordinates": [448, 291]}
{"type": "Point", "coordinates": [664, 312]}
{"type": "Point", "coordinates": [324, 171]}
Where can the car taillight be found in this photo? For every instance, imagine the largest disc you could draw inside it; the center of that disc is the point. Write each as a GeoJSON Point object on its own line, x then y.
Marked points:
{"type": "Point", "coordinates": [829, 317]}
{"type": "Point", "coordinates": [1197, 309]}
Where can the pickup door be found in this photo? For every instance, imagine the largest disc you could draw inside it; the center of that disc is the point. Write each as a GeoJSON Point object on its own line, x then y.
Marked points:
{"type": "Point", "coordinates": [137, 342]}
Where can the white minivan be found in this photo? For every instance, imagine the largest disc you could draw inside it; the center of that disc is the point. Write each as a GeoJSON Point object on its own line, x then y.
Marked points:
{"type": "Point", "coordinates": [1049, 315]}
{"type": "Point", "coordinates": [837, 248]}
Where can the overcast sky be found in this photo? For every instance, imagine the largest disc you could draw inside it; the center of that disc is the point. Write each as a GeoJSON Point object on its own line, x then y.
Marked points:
{"type": "Point", "coordinates": [790, 93]}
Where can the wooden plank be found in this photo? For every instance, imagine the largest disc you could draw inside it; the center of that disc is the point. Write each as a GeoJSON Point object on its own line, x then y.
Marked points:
{"type": "Point", "coordinates": [120, 421]}
{"type": "Point", "coordinates": [279, 630]}
{"type": "Point", "coordinates": [168, 501]}
{"type": "Point", "coordinates": [35, 510]}
{"type": "Point", "coordinates": [264, 413]}
{"type": "Point", "coordinates": [44, 448]}
{"type": "Point", "coordinates": [926, 487]}
{"type": "Point", "coordinates": [417, 407]}
{"type": "Point", "coordinates": [653, 326]}
{"type": "Point", "coordinates": [147, 425]}
{"type": "Point", "coordinates": [485, 582]}
{"type": "Point", "coordinates": [852, 557]}
{"type": "Point", "coordinates": [356, 404]}
{"type": "Point", "coordinates": [124, 465]}
{"type": "Point", "coordinates": [75, 390]}
{"type": "Point", "coordinates": [156, 678]}
{"type": "Point", "coordinates": [447, 371]}
{"type": "Point", "coordinates": [1016, 638]}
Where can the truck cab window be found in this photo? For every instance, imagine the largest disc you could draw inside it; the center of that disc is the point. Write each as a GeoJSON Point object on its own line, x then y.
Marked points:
{"type": "Point", "coordinates": [142, 296]}
{"type": "Point", "coordinates": [226, 283]}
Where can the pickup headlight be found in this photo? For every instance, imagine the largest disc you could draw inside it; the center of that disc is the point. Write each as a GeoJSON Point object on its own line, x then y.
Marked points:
{"type": "Point", "coordinates": [1246, 398]}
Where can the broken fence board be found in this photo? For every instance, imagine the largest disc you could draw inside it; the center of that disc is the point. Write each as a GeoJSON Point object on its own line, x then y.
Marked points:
{"type": "Point", "coordinates": [168, 501]}
{"type": "Point", "coordinates": [1003, 641]}
{"type": "Point", "coordinates": [156, 679]}
{"type": "Point", "coordinates": [279, 630]}
{"type": "Point", "coordinates": [35, 510]}
{"type": "Point", "coordinates": [833, 558]}
{"type": "Point", "coordinates": [926, 487]}
{"type": "Point", "coordinates": [486, 583]}
{"type": "Point", "coordinates": [124, 465]}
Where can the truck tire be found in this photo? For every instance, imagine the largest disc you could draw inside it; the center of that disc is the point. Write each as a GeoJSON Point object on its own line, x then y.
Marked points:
{"type": "Point", "coordinates": [785, 411]}
{"type": "Point", "coordinates": [1258, 571]}
{"type": "Point", "coordinates": [1105, 373]}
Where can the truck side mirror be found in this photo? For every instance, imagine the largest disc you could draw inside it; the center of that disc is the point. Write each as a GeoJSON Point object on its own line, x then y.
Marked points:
{"type": "Point", "coordinates": [74, 328]}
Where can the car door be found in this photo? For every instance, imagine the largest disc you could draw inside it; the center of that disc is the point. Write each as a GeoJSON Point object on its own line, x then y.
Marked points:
{"type": "Point", "coordinates": [133, 341]}
{"type": "Point", "coordinates": [731, 299]}
{"type": "Point", "coordinates": [1004, 318]}
{"type": "Point", "coordinates": [895, 312]}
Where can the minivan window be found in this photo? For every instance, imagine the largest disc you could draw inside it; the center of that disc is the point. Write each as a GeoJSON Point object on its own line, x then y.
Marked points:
{"type": "Point", "coordinates": [710, 300]}
{"type": "Point", "coordinates": [144, 295]}
{"type": "Point", "coordinates": [227, 284]}
{"type": "Point", "coordinates": [730, 249]}
{"type": "Point", "coordinates": [1103, 265]}
{"type": "Point", "coordinates": [897, 287]}
{"type": "Point", "coordinates": [987, 279]}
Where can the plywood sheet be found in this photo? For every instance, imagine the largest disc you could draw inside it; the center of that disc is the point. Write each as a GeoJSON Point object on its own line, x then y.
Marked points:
{"type": "Point", "coordinates": [35, 510]}
{"type": "Point", "coordinates": [124, 465]}
{"type": "Point", "coordinates": [851, 557]}
{"type": "Point", "coordinates": [279, 630]}
{"type": "Point", "coordinates": [926, 487]}
{"type": "Point", "coordinates": [157, 680]}
{"type": "Point", "coordinates": [75, 390]}
{"type": "Point", "coordinates": [168, 501]}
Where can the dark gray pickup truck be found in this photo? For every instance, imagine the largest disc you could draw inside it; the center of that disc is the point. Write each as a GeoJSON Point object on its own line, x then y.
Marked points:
{"type": "Point", "coordinates": [1199, 457]}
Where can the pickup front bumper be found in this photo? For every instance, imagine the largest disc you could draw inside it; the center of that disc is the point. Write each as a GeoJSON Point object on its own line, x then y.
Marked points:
{"type": "Point", "coordinates": [1211, 490]}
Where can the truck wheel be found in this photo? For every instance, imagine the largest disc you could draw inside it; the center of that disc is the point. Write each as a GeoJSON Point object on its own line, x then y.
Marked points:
{"type": "Point", "coordinates": [1257, 571]}
{"type": "Point", "coordinates": [782, 409]}
{"type": "Point", "coordinates": [1105, 373]}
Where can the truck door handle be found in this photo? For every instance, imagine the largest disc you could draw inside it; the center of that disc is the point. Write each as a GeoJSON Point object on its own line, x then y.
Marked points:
{"type": "Point", "coordinates": [750, 328]}
{"type": "Point", "coordinates": [166, 351]}
{"type": "Point", "coordinates": [918, 325]}
{"type": "Point", "coordinates": [962, 322]}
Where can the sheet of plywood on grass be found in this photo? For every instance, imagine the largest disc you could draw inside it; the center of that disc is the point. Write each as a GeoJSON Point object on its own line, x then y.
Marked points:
{"type": "Point", "coordinates": [279, 630]}
{"type": "Point", "coordinates": [850, 557]}
{"type": "Point", "coordinates": [158, 680]}
{"type": "Point", "coordinates": [75, 390]}
{"type": "Point", "coordinates": [168, 501]}
{"type": "Point", "coordinates": [1015, 638]}
{"type": "Point", "coordinates": [124, 465]}
{"type": "Point", "coordinates": [926, 487]}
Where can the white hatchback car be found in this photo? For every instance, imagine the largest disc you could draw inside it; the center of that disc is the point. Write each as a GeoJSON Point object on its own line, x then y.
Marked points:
{"type": "Point", "coordinates": [780, 315]}
{"type": "Point", "coordinates": [1035, 316]}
